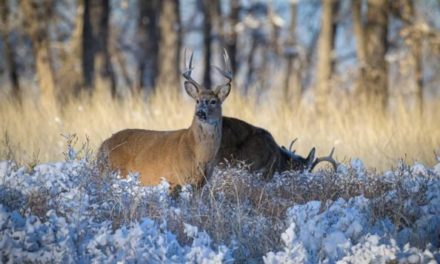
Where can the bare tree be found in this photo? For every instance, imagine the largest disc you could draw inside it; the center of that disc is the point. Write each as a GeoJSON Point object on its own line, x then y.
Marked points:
{"type": "Point", "coordinates": [325, 51]}
{"type": "Point", "coordinates": [258, 26]}
{"type": "Point", "coordinates": [212, 30]}
{"type": "Point", "coordinates": [97, 67]}
{"type": "Point", "coordinates": [209, 17]}
{"type": "Point", "coordinates": [36, 15]}
{"type": "Point", "coordinates": [169, 52]}
{"type": "Point", "coordinates": [179, 28]}
{"type": "Point", "coordinates": [359, 33]}
{"type": "Point", "coordinates": [358, 29]}
{"type": "Point", "coordinates": [292, 81]}
{"type": "Point", "coordinates": [371, 47]}
{"type": "Point", "coordinates": [69, 75]}
{"type": "Point", "coordinates": [376, 45]}
{"type": "Point", "coordinates": [11, 64]}
{"type": "Point", "coordinates": [231, 38]}
{"type": "Point", "coordinates": [148, 43]}
{"type": "Point", "coordinates": [404, 10]}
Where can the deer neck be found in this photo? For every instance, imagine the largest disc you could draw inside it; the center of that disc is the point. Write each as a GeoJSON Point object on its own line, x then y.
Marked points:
{"type": "Point", "coordinates": [207, 137]}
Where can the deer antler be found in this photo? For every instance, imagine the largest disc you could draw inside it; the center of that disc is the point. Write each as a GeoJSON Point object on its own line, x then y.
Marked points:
{"type": "Point", "coordinates": [227, 73]}
{"type": "Point", "coordinates": [328, 158]}
{"type": "Point", "coordinates": [187, 73]}
{"type": "Point", "coordinates": [291, 144]}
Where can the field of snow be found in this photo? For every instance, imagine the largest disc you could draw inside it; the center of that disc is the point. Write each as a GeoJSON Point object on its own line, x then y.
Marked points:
{"type": "Point", "coordinates": [64, 213]}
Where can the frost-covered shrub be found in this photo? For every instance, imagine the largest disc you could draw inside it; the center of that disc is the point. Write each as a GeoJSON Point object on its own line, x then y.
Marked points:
{"type": "Point", "coordinates": [76, 220]}
{"type": "Point", "coordinates": [350, 230]}
{"type": "Point", "coordinates": [28, 240]}
{"type": "Point", "coordinates": [294, 250]}
{"type": "Point", "coordinates": [66, 212]}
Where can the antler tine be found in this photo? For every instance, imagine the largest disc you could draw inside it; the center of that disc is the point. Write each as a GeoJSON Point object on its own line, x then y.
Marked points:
{"type": "Point", "coordinates": [328, 158]}
{"type": "Point", "coordinates": [187, 72]}
{"type": "Point", "coordinates": [188, 69]}
{"type": "Point", "coordinates": [184, 58]}
{"type": "Point", "coordinates": [190, 66]}
{"type": "Point", "coordinates": [227, 62]}
{"type": "Point", "coordinates": [331, 152]}
{"type": "Point", "coordinates": [291, 144]}
{"type": "Point", "coordinates": [227, 73]}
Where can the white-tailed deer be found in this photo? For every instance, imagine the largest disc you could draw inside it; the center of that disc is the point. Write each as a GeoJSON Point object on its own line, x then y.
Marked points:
{"type": "Point", "coordinates": [256, 147]}
{"type": "Point", "coordinates": [183, 156]}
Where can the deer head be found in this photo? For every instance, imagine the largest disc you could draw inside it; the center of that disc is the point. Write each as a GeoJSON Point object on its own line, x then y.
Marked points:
{"type": "Point", "coordinates": [208, 101]}
{"type": "Point", "coordinates": [297, 162]}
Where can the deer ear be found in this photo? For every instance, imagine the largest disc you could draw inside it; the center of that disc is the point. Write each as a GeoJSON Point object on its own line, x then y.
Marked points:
{"type": "Point", "coordinates": [222, 91]}
{"type": "Point", "coordinates": [191, 89]}
{"type": "Point", "coordinates": [311, 157]}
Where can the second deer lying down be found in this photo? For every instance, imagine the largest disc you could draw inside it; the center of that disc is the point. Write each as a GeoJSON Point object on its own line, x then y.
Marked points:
{"type": "Point", "coordinates": [183, 156]}
{"type": "Point", "coordinates": [256, 147]}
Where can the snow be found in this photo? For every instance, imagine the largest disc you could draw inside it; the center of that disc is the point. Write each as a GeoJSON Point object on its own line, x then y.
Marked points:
{"type": "Point", "coordinates": [294, 251]}
{"type": "Point", "coordinates": [64, 213]}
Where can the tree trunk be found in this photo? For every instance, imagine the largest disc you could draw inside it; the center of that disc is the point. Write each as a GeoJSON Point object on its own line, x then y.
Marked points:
{"type": "Point", "coordinates": [251, 65]}
{"type": "Point", "coordinates": [45, 74]}
{"type": "Point", "coordinates": [376, 44]}
{"type": "Point", "coordinates": [408, 16]}
{"type": "Point", "coordinates": [11, 64]}
{"type": "Point", "coordinates": [359, 33]}
{"type": "Point", "coordinates": [148, 41]}
{"type": "Point", "coordinates": [179, 40]}
{"type": "Point", "coordinates": [208, 17]}
{"type": "Point", "coordinates": [211, 26]}
{"type": "Point", "coordinates": [325, 50]}
{"type": "Point", "coordinates": [168, 48]}
{"type": "Point", "coordinates": [97, 67]}
{"type": "Point", "coordinates": [231, 39]}
{"type": "Point", "coordinates": [36, 22]}
{"type": "Point", "coordinates": [292, 81]}
{"type": "Point", "coordinates": [88, 48]}
{"type": "Point", "coordinates": [416, 51]}
{"type": "Point", "coordinates": [69, 76]}
{"type": "Point", "coordinates": [358, 29]}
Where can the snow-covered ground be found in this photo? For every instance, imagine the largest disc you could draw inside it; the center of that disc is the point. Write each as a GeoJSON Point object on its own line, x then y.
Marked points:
{"type": "Point", "coordinates": [64, 213]}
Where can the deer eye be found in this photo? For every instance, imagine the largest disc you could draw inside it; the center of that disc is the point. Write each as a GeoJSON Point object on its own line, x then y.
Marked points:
{"type": "Point", "coordinates": [197, 101]}
{"type": "Point", "coordinates": [213, 102]}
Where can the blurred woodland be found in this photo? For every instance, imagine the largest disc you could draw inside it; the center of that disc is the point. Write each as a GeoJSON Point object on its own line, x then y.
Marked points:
{"type": "Point", "coordinates": [362, 51]}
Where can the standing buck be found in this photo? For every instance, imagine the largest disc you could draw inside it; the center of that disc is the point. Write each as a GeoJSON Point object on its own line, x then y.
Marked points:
{"type": "Point", "coordinates": [183, 156]}
{"type": "Point", "coordinates": [256, 147]}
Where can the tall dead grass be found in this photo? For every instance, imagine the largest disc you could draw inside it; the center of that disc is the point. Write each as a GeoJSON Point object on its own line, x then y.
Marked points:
{"type": "Point", "coordinates": [30, 135]}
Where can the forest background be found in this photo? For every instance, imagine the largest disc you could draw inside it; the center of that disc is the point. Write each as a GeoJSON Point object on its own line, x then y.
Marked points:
{"type": "Point", "coordinates": [361, 75]}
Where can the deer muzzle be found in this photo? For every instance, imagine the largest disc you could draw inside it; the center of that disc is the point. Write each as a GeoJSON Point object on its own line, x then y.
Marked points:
{"type": "Point", "coordinates": [201, 114]}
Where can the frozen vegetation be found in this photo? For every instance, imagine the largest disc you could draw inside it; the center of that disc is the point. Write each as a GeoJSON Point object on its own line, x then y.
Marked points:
{"type": "Point", "coordinates": [64, 213]}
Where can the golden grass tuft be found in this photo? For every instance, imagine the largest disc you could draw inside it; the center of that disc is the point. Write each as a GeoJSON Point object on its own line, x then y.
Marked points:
{"type": "Point", "coordinates": [380, 141]}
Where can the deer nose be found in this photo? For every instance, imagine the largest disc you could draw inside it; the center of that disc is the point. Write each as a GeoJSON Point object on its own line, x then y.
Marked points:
{"type": "Point", "coordinates": [201, 114]}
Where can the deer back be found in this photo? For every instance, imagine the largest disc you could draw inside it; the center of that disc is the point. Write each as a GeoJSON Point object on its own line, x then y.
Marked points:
{"type": "Point", "coordinates": [154, 154]}
{"type": "Point", "coordinates": [252, 145]}
{"type": "Point", "coordinates": [257, 148]}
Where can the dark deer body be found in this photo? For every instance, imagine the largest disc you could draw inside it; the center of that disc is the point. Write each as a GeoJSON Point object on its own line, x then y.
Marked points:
{"type": "Point", "coordinates": [257, 148]}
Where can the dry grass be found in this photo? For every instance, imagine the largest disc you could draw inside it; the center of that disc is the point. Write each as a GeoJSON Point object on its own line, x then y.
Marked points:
{"type": "Point", "coordinates": [29, 134]}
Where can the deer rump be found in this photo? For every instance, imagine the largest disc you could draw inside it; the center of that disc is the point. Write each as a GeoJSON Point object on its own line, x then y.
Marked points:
{"type": "Point", "coordinates": [257, 148]}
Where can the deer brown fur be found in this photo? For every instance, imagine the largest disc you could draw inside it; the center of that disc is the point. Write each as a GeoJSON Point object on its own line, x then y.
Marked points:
{"type": "Point", "coordinates": [183, 156]}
